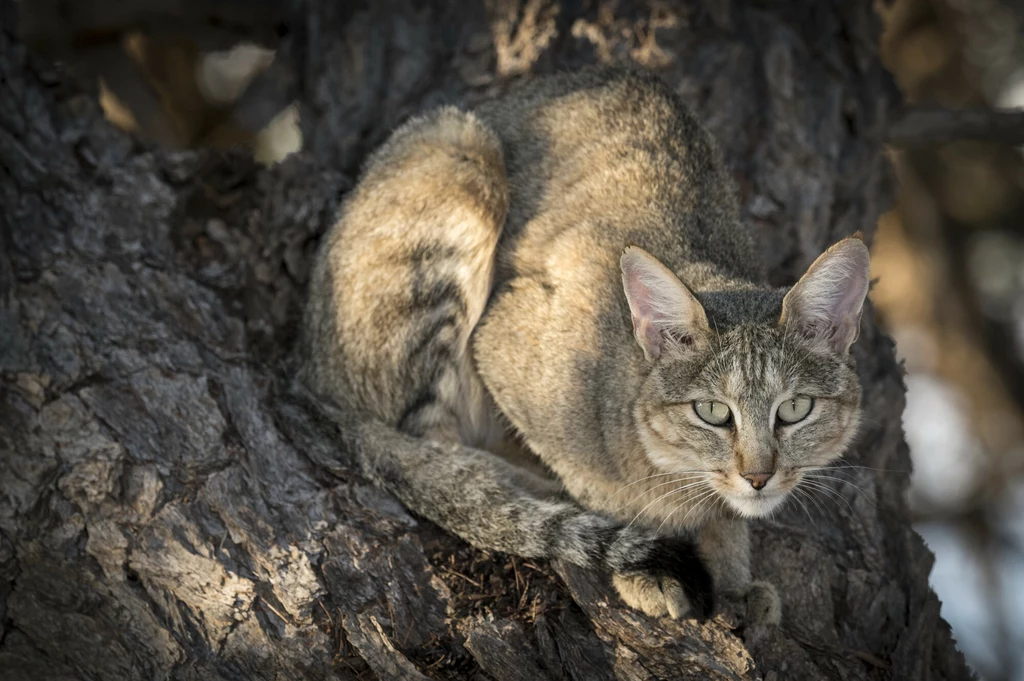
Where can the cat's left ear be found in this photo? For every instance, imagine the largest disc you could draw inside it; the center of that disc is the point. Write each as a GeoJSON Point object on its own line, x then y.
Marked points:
{"type": "Point", "coordinates": [825, 305]}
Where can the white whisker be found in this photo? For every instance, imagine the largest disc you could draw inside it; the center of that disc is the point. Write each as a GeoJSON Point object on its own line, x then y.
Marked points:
{"type": "Point", "coordinates": [843, 465]}
{"type": "Point", "coordinates": [679, 504]}
{"type": "Point", "coordinates": [702, 498]}
{"type": "Point", "coordinates": [817, 477]}
{"type": "Point", "coordinates": [800, 501]}
{"type": "Point", "coordinates": [656, 475]}
{"type": "Point", "coordinates": [699, 478]}
{"type": "Point", "coordinates": [666, 494]}
{"type": "Point", "coordinates": [714, 503]}
{"type": "Point", "coordinates": [832, 494]}
{"type": "Point", "coordinates": [814, 500]}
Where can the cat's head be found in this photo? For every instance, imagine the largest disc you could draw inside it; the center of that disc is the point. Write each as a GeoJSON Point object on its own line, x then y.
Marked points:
{"type": "Point", "coordinates": [759, 404]}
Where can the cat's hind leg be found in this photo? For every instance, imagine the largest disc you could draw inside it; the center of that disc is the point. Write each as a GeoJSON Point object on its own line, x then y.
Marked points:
{"type": "Point", "coordinates": [409, 270]}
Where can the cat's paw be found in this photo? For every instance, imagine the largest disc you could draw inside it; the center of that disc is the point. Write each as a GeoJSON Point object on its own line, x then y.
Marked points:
{"type": "Point", "coordinates": [663, 576]}
{"type": "Point", "coordinates": [754, 609]}
{"type": "Point", "coordinates": [764, 609]}
{"type": "Point", "coordinates": [653, 596]}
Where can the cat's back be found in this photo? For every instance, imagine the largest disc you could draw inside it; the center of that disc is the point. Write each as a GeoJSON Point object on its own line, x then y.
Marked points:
{"type": "Point", "coordinates": [603, 157]}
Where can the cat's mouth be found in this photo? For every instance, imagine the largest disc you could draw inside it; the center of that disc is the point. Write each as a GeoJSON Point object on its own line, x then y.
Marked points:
{"type": "Point", "coordinates": [754, 503]}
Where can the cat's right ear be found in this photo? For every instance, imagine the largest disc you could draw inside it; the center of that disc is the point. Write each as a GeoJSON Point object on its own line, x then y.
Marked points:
{"type": "Point", "coordinates": [664, 311]}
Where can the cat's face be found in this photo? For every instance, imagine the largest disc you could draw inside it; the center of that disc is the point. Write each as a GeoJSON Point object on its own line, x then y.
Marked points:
{"type": "Point", "coordinates": [751, 410]}
{"type": "Point", "coordinates": [754, 409]}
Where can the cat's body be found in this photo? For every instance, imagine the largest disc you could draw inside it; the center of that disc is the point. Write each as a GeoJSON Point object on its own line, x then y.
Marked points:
{"type": "Point", "coordinates": [491, 283]}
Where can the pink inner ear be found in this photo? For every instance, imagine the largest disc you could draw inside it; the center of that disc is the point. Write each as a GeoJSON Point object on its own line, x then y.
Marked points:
{"type": "Point", "coordinates": [639, 297]}
{"type": "Point", "coordinates": [662, 308]}
{"type": "Point", "coordinates": [826, 303]}
{"type": "Point", "coordinates": [852, 300]}
{"type": "Point", "coordinates": [645, 328]}
{"type": "Point", "coordinates": [648, 335]}
{"type": "Point", "coordinates": [642, 305]}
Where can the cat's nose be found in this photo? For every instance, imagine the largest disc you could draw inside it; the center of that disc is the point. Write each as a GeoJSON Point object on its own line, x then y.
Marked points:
{"type": "Point", "coordinates": [757, 480]}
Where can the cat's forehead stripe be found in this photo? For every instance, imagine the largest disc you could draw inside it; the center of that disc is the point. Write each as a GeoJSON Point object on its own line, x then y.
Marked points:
{"type": "Point", "coordinates": [748, 360]}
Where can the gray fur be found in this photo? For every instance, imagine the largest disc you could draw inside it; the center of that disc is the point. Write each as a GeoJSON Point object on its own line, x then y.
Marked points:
{"type": "Point", "coordinates": [511, 280]}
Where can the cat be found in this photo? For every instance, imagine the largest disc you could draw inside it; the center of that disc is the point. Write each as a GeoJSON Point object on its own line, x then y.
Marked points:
{"type": "Point", "coordinates": [562, 276]}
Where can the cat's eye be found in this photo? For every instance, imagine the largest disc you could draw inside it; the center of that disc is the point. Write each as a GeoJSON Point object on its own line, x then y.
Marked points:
{"type": "Point", "coordinates": [796, 409]}
{"type": "Point", "coordinates": [713, 413]}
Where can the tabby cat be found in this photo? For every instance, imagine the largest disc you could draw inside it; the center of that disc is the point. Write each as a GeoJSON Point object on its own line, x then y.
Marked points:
{"type": "Point", "coordinates": [543, 326]}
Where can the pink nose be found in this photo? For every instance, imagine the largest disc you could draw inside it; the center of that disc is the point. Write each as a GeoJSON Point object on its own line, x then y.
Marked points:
{"type": "Point", "coordinates": [757, 480]}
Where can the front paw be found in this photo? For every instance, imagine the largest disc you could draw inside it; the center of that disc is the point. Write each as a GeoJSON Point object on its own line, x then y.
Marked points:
{"type": "Point", "coordinates": [763, 606]}
{"type": "Point", "coordinates": [754, 609]}
{"type": "Point", "coordinates": [654, 596]}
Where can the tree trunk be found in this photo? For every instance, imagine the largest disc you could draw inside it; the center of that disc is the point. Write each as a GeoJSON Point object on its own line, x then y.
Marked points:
{"type": "Point", "coordinates": [167, 513]}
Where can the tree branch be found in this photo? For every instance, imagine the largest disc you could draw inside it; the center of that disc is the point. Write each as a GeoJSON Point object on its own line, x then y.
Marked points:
{"type": "Point", "coordinates": [916, 127]}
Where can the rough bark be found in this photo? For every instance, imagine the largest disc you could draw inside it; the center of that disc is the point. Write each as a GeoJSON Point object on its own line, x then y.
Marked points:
{"type": "Point", "coordinates": [165, 511]}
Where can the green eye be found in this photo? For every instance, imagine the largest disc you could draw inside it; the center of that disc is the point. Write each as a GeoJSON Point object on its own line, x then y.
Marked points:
{"type": "Point", "coordinates": [713, 413]}
{"type": "Point", "coordinates": [796, 409]}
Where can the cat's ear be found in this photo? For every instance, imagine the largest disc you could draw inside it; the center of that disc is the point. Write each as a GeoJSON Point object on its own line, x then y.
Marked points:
{"type": "Point", "coordinates": [825, 305]}
{"type": "Point", "coordinates": [664, 311]}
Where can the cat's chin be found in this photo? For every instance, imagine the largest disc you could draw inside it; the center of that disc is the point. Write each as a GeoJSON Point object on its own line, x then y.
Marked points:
{"type": "Point", "coordinates": [756, 506]}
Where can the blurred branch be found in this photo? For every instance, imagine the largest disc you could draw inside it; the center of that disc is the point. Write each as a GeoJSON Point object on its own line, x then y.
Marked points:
{"type": "Point", "coordinates": [931, 126]}
{"type": "Point", "coordinates": [116, 43]}
{"type": "Point", "coordinates": [60, 29]}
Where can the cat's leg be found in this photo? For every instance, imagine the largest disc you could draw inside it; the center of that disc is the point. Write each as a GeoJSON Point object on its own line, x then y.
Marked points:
{"type": "Point", "coordinates": [725, 546]}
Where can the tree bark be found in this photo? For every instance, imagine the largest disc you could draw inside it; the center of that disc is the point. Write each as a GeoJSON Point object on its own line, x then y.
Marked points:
{"type": "Point", "coordinates": [167, 513]}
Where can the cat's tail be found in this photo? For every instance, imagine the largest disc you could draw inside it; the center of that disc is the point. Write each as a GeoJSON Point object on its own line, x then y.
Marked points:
{"type": "Point", "coordinates": [496, 505]}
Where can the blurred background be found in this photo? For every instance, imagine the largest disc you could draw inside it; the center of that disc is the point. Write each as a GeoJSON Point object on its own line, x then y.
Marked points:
{"type": "Point", "coordinates": [948, 260]}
